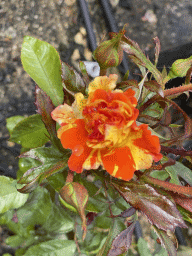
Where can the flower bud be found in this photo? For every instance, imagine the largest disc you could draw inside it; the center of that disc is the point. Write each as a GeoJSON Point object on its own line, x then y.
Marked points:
{"type": "Point", "coordinates": [109, 53]}
{"type": "Point", "coordinates": [76, 196]}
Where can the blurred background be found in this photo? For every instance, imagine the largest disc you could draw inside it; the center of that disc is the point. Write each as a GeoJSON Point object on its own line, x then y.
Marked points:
{"type": "Point", "coordinates": [61, 23]}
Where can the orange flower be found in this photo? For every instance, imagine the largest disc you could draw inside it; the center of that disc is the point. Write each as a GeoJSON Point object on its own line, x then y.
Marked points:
{"type": "Point", "coordinates": [102, 130]}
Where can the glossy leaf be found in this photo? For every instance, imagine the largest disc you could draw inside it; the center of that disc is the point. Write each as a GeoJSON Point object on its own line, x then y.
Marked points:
{"type": "Point", "coordinates": [10, 198]}
{"type": "Point", "coordinates": [52, 161]}
{"type": "Point", "coordinates": [122, 242]}
{"type": "Point", "coordinates": [12, 121]}
{"type": "Point", "coordinates": [159, 210]}
{"type": "Point", "coordinates": [30, 132]}
{"type": "Point", "coordinates": [37, 209]}
{"type": "Point", "coordinates": [115, 229]}
{"type": "Point", "coordinates": [41, 61]}
{"type": "Point", "coordinates": [53, 248]}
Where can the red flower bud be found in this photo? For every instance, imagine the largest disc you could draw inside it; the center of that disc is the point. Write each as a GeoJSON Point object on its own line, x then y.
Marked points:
{"type": "Point", "coordinates": [109, 53]}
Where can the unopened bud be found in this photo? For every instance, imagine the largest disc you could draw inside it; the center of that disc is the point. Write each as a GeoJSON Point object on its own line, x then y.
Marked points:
{"type": "Point", "coordinates": [110, 53]}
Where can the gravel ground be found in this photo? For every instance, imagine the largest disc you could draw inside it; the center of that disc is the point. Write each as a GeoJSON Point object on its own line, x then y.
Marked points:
{"type": "Point", "coordinates": [60, 23]}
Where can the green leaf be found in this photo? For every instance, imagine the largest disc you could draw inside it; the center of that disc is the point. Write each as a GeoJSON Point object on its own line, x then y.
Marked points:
{"type": "Point", "coordinates": [143, 247]}
{"type": "Point", "coordinates": [12, 121]}
{"type": "Point", "coordinates": [103, 221]}
{"type": "Point", "coordinates": [53, 248]}
{"type": "Point", "coordinates": [179, 68]}
{"type": "Point", "coordinates": [160, 174]}
{"type": "Point", "coordinates": [14, 241]}
{"type": "Point", "coordinates": [52, 161]}
{"type": "Point", "coordinates": [58, 221]}
{"type": "Point", "coordinates": [30, 132]}
{"type": "Point", "coordinates": [180, 170]}
{"type": "Point", "coordinates": [41, 61]}
{"type": "Point", "coordinates": [10, 198]}
{"type": "Point", "coordinates": [117, 227]}
{"type": "Point", "coordinates": [37, 209]}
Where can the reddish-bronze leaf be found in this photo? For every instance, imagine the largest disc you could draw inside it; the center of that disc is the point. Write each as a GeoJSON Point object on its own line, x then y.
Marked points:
{"type": "Point", "coordinates": [159, 210]}
{"type": "Point", "coordinates": [184, 201]}
{"type": "Point", "coordinates": [126, 214]}
{"type": "Point", "coordinates": [44, 108]}
{"type": "Point", "coordinates": [122, 242]}
{"type": "Point", "coordinates": [169, 186]}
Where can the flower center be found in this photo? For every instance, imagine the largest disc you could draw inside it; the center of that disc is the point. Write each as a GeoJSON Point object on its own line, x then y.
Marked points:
{"type": "Point", "coordinates": [100, 115]}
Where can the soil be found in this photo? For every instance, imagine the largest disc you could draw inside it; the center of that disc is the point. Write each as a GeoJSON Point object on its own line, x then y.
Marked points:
{"type": "Point", "coordinates": [60, 23]}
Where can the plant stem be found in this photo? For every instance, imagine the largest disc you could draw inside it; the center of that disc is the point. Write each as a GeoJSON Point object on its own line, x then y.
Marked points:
{"type": "Point", "coordinates": [70, 176]}
{"type": "Point", "coordinates": [177, 90]}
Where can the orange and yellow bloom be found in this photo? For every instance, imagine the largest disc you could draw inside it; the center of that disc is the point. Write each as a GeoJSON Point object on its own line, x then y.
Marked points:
{"type": "Point", "coordinates": [102, 130]}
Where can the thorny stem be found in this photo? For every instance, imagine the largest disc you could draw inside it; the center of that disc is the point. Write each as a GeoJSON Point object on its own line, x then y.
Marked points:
{"type": "Point", "coordinates": [177, 90]}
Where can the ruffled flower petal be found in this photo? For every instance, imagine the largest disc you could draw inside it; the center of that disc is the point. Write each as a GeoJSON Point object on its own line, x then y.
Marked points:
{"type": "Point", "coordinates": [144, 147]}
{"type": "Point", "coordinates": [103, 82]}
{"type": "Point", "coordinates": [102, 130]}
{"type": "Point", "coordinates": [120, 164]}
{"type": "Point", "coordinates": [63, 114]}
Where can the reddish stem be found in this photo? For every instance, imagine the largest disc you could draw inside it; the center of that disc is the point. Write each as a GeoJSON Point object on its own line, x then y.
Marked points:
{"type": "Point", "coordinates": [177, 90]}
{"type": "Point", "coordinates": [70, 176]}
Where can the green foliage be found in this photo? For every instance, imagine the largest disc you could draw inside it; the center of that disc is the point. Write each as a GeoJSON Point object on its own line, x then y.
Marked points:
{"type": "Point", "coordinates": [41, 61]}
{"type": "Point", "coordinates": [53, 248]}
{"type": "Point", "coordinates": [10, 198]}
{"type": "Point", "coordinates": [54, 211]}
{"type": "Point", "coordinates": [29, 132]}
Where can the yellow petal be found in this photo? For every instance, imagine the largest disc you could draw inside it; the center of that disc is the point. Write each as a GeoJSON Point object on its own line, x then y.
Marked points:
{"type": "Point", "coordinates": [79, 105]}
{"type": "Point", "coordinates": [142, 158]}
{"type": "Point", "coordinates": [103, 82]}
{"type": "Point", "coordinates": [93, 161]}
{"type": "Point", "coordinates": [63, 114]}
